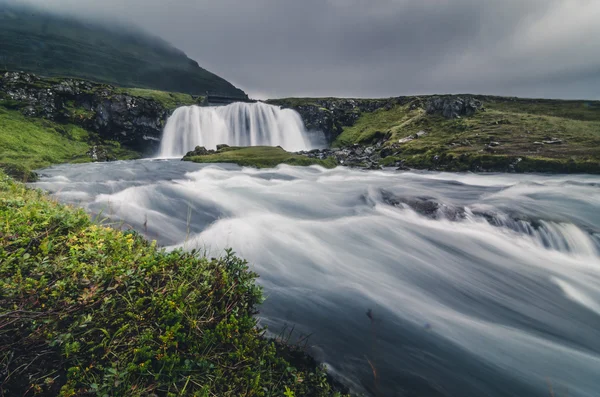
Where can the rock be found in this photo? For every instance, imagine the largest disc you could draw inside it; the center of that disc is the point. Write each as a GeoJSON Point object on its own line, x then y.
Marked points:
{"type": "Point", "coordinates": [494, 144]}
{"type": "Point", "coordinates": [420, 134]}
{"type": "Point", "coordinates": [453, 107]}
{"type": "Point", "coordinates": [221, 146]}
{"type": "Point", "coordinates": [132, 121]}
{"type": "Point", "coordinates": [331, 115]}
{"type": "Point", "coordinates": [198, 151]}
{"type": "Point", "coordinates": [553, 142]}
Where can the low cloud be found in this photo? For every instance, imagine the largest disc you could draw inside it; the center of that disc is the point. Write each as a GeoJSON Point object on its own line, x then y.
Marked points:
{"type": "Point", "coordinates": [376, 48]}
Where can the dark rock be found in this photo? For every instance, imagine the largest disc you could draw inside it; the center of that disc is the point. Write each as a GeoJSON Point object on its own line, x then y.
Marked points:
{"type": "Point", "coordinates": [132, 121]}
{"type": "Point", "coordinates": [453, 107]}
{"type": "Point", "coordinates": [221, 146]}
{"type": "Point", "coordinates": [199, 151]}
{"type": "Point", "coordinates": [426, 206]}
{"type": "Point", "coordinates": [331, 115]}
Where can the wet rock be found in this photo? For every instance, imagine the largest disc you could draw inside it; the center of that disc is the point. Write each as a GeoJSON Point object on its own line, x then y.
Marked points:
{"type": "Point", "coordinates": [199, 151]}
{"type": "Point", "coordinates": [425, 206]}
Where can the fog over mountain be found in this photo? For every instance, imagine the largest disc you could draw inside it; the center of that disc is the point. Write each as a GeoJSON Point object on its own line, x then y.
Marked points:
{"type": "Point", "coordinates": [376, 48]}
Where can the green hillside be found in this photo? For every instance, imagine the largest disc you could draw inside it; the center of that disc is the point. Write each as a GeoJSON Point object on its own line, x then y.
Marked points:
{"type": "Point", "coordinates": [50, 45]}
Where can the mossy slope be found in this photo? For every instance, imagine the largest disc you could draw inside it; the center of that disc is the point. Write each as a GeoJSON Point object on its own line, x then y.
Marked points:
{"type": "Point", "coordinates": [89, 310]}
{"type": "Point", "coordinates": [526, 135]}
{"type": "Point", "coordinates": [29, 143]}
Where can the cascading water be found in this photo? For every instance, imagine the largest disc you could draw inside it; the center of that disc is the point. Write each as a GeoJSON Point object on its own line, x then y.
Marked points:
{"type": "Point", "coordinates": [238, 124]}
{"type": "Point", "coordinates": [474, 285]}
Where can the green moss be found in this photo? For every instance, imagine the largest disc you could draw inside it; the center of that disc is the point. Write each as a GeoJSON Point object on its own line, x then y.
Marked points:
{"type": "Point", "coordinates": [89, 310]}
{"type": "Point", "coordinates": [259, 157]}
{"type": "Point", "coordinates": [169, 100]}
{"type": "Point", "coordinates": [78, 114]}
{"type": "Point", "coordinates": [376, 124]}
{"type": "Point", "coordinates": [34, 143]}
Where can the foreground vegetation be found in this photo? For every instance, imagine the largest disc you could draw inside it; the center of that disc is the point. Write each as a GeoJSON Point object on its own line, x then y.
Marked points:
{"type": "Point", "coordinates": [90, 310]}
{"type": "Point", "coordinates": [257, 156]}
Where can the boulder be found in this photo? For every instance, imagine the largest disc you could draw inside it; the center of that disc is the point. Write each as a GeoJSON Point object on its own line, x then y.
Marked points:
{"type": "Point", "coordinates": [199, 151]}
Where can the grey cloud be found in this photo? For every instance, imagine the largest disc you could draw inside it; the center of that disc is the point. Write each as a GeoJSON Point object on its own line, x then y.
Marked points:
{"type": "Point", "coordinates": [374, 48]}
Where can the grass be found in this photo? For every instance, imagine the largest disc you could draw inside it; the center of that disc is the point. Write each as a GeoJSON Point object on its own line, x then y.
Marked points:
{"type": "Point", "coordinates": [35, 143]}
{"type": "Point", "coordinates": [169, 100]}
{"type": "Point", "coordinates": [90, 310]}
{"type": "Point", "coordinates": [377, 124]}
{"type": "Point", "coordinates": [259, 157]}
{"type": "Point", "coordinates": [30, 143]}
{"type": "Point", "coordinates": [517, 128]}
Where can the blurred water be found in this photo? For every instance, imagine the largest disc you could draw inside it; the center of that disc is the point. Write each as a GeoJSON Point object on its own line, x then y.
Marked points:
{"type": "Point", "coordinates": [474, 285]}
{"type": "Point", "coordinates": [238, 124]}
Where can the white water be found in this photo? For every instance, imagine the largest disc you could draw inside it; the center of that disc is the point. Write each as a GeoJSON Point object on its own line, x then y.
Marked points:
{"type": "Point", "coordinates": [238, 124]}
{"type": "Point", "coordinates": [494, 292]}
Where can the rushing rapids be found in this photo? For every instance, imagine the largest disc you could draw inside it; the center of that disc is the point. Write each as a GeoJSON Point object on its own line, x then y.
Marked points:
{"type": "Point", "coordinates": [238, 124]}
{"type": "Point", "coordinates": [440, 284]}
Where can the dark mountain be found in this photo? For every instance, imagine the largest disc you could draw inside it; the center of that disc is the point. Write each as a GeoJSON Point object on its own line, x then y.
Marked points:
{"type": "Point", "coordinates": [51, 45]}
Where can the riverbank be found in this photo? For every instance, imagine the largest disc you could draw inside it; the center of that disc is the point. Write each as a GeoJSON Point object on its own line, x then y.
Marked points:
{"type": "Point", "coordinates": [86, 308]}
{"type": "Point", "coordinates": [457, 132]}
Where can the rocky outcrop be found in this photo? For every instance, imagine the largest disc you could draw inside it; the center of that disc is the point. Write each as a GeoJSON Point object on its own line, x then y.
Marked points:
{"type": "Point", "coordinates": [367, 157]}
{"type": "Point", "coordinates": [331, 115]}
{"type": "Point", "coordinates": [453, 107]}
{"type": "Point", "coordinates": [132, 121]}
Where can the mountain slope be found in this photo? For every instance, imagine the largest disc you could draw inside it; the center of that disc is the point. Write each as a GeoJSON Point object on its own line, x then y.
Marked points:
{"type": "Point", "coordinates": [51, 45]}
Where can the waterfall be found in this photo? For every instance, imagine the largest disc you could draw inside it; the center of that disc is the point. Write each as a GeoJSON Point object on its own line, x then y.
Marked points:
{"type": "Point", "coordinates": [238, 124]}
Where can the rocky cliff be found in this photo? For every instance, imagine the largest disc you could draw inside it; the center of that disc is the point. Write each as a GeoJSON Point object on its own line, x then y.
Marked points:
{"type": "Point", "coordinates": [110, 112]}
{"type": "Point", "coordinates": [331, 115]}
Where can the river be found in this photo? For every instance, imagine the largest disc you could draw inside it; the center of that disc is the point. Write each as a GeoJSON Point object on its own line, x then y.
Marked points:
{"type": "Point", "coordinates": [408, 283]}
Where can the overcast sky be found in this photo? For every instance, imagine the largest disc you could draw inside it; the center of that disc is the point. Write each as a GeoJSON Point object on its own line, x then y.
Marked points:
{"type": "Point", "coordinates": [377, 48]}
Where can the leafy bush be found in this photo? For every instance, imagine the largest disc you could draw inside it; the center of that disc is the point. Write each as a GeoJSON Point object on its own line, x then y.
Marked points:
{"type": "Point", "coordinates": [89, 310]}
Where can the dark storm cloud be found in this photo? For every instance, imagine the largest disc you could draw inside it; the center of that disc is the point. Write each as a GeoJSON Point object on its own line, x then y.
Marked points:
{"type": "Point", "coordinates": [377, 47]}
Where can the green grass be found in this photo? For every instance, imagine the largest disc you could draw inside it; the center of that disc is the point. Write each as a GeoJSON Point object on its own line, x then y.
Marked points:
{"type": "Point", "coordinates": [35, 143]}
{"type": "Point", "coordinates": [29, 143]}
{"type": "Point", "coordinates": [259, 157]}
{"type": "Point", "coordinates": [169, 100]}
{"type": "Point", "coordinates": [90, 310]}
{"type": "Point", "coordinates": [379, 123]}
{"type": "Point", "coordinates": [517, 125]}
